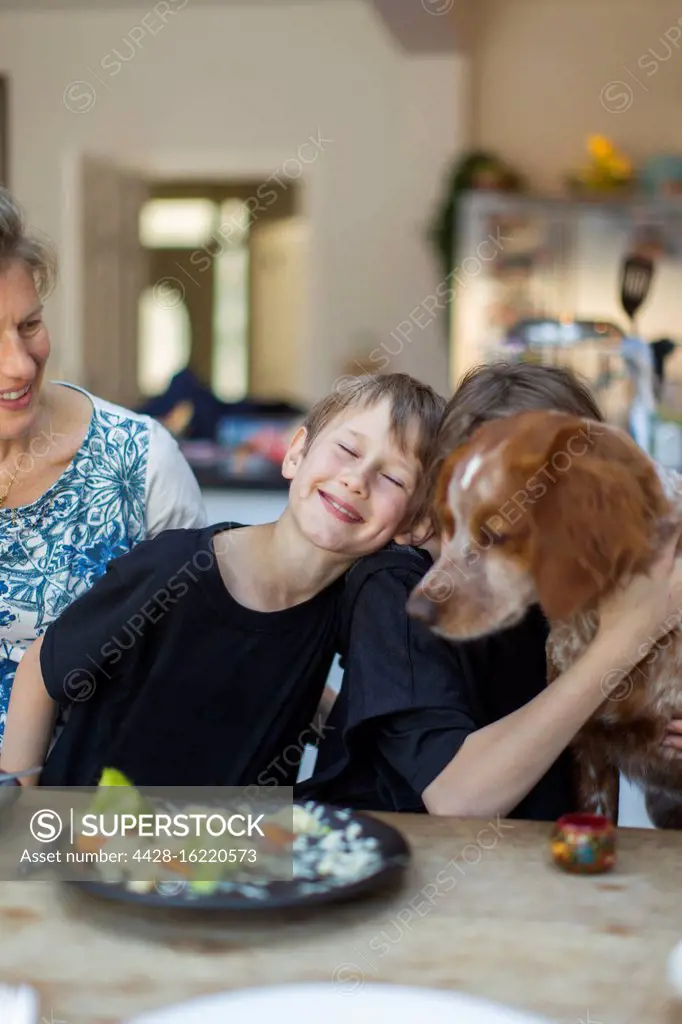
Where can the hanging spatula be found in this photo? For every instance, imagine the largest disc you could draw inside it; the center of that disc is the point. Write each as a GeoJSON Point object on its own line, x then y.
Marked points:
{"type": "Point", "coordinates": [635, 283]}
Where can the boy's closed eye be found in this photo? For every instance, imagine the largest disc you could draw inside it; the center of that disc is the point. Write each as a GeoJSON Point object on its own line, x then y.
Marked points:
{"type": "Point", "coordinates": [356, 455]}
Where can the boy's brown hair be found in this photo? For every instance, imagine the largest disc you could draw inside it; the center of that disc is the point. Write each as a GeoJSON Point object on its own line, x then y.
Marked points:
{"type": "Point", "coordinates": [498, 389]}
{"type": "Point", "coordinates": [501, 388]}
{"type": "Point", "coordinates": [411, 402]}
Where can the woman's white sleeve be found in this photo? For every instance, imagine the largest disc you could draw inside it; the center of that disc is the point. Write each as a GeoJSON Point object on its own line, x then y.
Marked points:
{"type": "Point", "coordinates": [173, 495]}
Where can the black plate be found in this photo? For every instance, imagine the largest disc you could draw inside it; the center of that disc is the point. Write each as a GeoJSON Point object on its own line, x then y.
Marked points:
{"type": "Point", "coordinates": [392, 848]}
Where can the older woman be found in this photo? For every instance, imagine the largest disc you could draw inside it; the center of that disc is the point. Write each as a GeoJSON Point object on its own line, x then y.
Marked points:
{"type": "Point", "coordinates": [81, 480]}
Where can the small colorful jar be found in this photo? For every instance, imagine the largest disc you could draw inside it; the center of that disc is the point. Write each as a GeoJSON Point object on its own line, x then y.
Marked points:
{"type": "Point", "coordinates": [584, 843]}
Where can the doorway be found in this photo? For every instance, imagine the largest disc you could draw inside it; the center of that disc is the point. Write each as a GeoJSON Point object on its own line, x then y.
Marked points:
{"type": "Point", "coordinates": [195, 274]}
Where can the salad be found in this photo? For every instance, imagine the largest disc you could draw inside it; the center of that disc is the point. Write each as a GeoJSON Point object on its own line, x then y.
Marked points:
{"type": "Point", "coordinates": [310, 846]}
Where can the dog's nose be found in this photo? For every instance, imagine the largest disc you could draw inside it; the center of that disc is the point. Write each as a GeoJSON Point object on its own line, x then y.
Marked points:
{"type": "Point", "coordinates": [420, 607]}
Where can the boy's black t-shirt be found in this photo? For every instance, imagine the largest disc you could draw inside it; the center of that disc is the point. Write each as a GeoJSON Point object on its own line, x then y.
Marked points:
{"type": "Point", "coordinates": [410, 699]}
{"type": "Point", "coordinates": [173, 682]}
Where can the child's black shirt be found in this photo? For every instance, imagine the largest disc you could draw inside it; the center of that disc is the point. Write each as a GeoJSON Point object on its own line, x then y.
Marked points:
{"type": "Point", "coordinates": [170, 680]}
{"type": "Point", "coordinates": [410, 699]}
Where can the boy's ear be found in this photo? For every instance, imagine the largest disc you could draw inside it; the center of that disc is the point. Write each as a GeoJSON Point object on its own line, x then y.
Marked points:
{"type": "Point", "coordinates": [294, 454]}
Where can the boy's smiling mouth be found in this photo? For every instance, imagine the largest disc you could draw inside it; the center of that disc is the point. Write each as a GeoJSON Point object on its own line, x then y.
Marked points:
{"type": "Point", "coordinates": [340, 509]}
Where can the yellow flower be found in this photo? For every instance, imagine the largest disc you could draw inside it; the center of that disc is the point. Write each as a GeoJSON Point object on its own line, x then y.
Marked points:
{"type": "Point", "coordinates": [620, 167]}
{"type": "Point", "coordinates": [599, 146]}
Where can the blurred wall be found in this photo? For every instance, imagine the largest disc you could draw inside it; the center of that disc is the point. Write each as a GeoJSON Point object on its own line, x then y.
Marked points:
{"type": "Point", "coordinates": [549, 72]}
{"type": "Point", "coordinates": [237, 89]}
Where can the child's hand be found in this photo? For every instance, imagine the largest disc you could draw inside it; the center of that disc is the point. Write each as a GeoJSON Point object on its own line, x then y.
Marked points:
{"type": "Point", "coordinates": [649, 606]}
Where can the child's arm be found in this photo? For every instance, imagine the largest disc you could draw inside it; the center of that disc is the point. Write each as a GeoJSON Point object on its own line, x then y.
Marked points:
{"type": "Point", "coordinates": [499, 764]}
{"type": "Point", "coordinates": [79, 653]}
{"type": "Point", "coordinates": [30, 718]}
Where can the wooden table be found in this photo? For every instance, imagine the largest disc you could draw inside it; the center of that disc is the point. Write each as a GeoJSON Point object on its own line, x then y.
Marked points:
{"type": "Point", "coordinates": [481, 910]}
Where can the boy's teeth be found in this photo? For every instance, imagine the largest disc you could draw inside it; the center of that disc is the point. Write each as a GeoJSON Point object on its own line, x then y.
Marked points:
{"type": "Point", "coordinates": [10, 396]}
{"type": "Point", "coordinates": [342, 509]}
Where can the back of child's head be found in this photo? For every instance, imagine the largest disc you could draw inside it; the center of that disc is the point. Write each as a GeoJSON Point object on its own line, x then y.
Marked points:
{"type": "Point", "coordinates": [411, 404]}
{"type": "Point", "coordinates": [493, 390]}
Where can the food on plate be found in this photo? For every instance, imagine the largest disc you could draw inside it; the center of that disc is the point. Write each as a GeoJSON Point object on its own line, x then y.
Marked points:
{"type": "Point", "coordinates": [313, 847]}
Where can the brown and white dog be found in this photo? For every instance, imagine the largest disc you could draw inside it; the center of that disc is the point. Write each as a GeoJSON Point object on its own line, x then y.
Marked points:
{"type": "Point", "coordinates": [547, 508]}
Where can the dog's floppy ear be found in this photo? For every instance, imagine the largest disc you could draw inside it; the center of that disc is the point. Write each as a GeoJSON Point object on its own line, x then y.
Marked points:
{"type": "Point", "coordinates": [597, 521]}
{"type": "Point", "coordinates": [543, 434]}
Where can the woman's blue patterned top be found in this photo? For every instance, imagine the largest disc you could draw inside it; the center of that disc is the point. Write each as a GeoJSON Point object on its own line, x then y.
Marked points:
{"type": "Point", "coordinates": [128, 481]}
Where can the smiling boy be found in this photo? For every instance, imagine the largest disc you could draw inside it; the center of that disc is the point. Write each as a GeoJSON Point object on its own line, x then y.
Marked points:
{"type": "Point", "coordinates": [227, 672]}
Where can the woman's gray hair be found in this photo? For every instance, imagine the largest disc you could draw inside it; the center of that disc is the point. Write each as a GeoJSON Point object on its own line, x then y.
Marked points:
{"type": "Point", "coordinates": [16, 243]}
